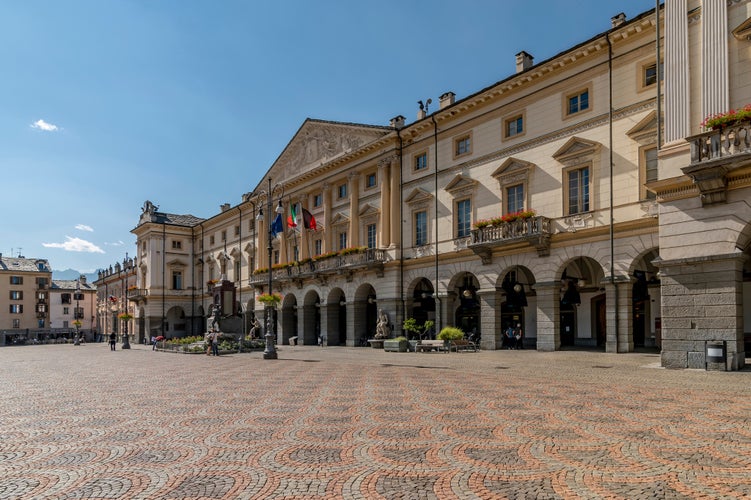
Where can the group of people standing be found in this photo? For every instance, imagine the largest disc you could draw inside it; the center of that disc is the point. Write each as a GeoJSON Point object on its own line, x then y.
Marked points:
{"type": "Point", "coordinates": [513, 338]}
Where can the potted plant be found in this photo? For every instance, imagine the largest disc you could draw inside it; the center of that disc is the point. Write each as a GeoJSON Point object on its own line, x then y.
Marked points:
{"type": "Point", "coordinates": [125, 316]}
{"type": "Point", "coordinates": [272, 299]}
{"type": "Point", "coordinates": [729, 118]}
{"type": "Point", "coordinates": [449, 333]}
{"type": "Point", "coordinates": [398, 344]}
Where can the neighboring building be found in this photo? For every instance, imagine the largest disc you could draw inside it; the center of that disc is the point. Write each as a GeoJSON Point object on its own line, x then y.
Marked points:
{"type": "Point", "coordinates": [71, 301]}
{"type": "Point", "coordinates": [113, 286]}
{"type": "Point", "coordinates": [704, 185]}
{"type": "Point", "coordinates": [24, 298]}
{"type": "Point", "coordinates": [552, 199]}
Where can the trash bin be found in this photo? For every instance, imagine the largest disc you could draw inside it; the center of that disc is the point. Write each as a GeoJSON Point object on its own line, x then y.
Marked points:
{"type": "Point", "coordinates": [716, 352]}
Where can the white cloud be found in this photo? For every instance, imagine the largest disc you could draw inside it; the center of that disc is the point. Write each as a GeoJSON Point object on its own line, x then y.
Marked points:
{"type": "Point", "coordinates": [118, 243]}
{"type": "Point", "coordinates": [43, 125]}
{"type": "Point", "coordinates": [84, 227]}
{"type": "Point", "coordinates": [75, 245]}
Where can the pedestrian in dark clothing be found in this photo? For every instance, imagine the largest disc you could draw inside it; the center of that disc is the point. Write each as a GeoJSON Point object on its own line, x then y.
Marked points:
{"type": "Point", "coordinates": [113, 341]}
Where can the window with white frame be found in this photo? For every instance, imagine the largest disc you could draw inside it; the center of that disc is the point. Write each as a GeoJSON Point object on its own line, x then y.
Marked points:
{"type": "Point", "coordinates": [577, 102]}
{"type": "Point", "coordinates": [463, 145]}
{"type": "Point", "coordinates": [342, 240]}
{"type": "Point", "coordinates": [421, 228]}
{"type": "Point", "coordinates": [463, 218]}
{"type": "Point", "coordinates": [514, 198]}
{"type": "Point", "coordinates": [16, 323]}
{"type": "Point", "coordinates": [371, 235]}
{"type": "Point", "coordinates": [578, 187]}
{"type": "Point", "coordinates": [648, 171]}
{"type": "Point", "coordinates": [514, 126]}
{"type": "Point", "coordinates": [421, 161]}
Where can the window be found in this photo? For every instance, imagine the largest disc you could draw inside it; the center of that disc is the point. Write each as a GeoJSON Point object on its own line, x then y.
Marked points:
{"type": "Point", "coordinates": [42, 296]}
{"type": "Point", "coordinates": [16, 295]}
{"type": "Point", "coordinates": [177, 244]}
{"type": "Point", "coordinates": [66, 310]}
{"type": "Point", "coordinates": [41, 308]}
{"type": "Point", "coordinates": [649, 74]}
{"type": "Point", "coordinates": [16, 280]}
{"type": "Point", "coordinates": [65, 298]}
{"type": "Point", "coordinates": [578, 191]}
{"type": "Point", "coordinates": [224, 235]}
{"type": "Point", "coordinates": [276, 256]}
{"type": "Point", "coordinates": [648, 171]}
{"type": "Point", "coordinates": [342, 191]}
{"type": "Point", "coordinates": [577, 102]}
{"type": "Point", "coordinates": [421, 228]}
{"type": "Point", "coordinates": [295, 253]}
{"type": "Point", "coordinates": [514, 198]}
{"type": "Point", "coordinates": [421, 161]}
{"type": "Point", "coordinates": [237, 270]}
{"type": "Point", "coordinates": [16, 323]}
{"type": "Point", "coordinates": [42, 282]}
{"type": "Point", "coordinates": [211, 240]}
{"type": "Point", "coordinates": [370, 180]}
{"type": "Point", "coordinates": [463, 218]}
{"type": "Point", "coordinates": [371, 230]}
{"type": "Point", "coordinates": [318, 244]}
{"type": "Point", "coordinates": [16, 308]}
{"type": "Point", "coordinates": [463, 145]}
{"type": "Point", "coordinates": [78, 313]}
{"type": "Point", "coordinates": [78, 296]}
{"type": "Point", "coordinates": [318, 200]}
{"type": "Point", "coordinates": [237, 230]}
{"type": "Point", "coordinates": [514, 126]}
{"type": "Point", "coordinates": [177, 280]}
{"type": "Point", "coordinates": [342, 240]}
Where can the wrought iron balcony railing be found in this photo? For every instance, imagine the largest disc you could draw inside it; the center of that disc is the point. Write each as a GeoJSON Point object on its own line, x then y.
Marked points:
{"type": "Point", "coordinates": [137, 293]}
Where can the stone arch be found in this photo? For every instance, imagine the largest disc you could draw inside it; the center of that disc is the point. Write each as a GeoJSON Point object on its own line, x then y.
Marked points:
{"type": "Point", "coordinates": [311, 318]}
{"type": "Point", "coordinates": [334, 318]}
{"type": "Point", "coordinates": [582, 303]}
{"type": "Point", "coordinates": [289, 318]}
{"type": "Point", "coordinates": [365, 312]}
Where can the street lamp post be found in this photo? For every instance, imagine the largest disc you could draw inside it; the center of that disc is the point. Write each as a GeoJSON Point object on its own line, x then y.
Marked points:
{"type": "Point", "coordinates": [270, 351]}
{"type": "Point", "coordinates": [76, 321]}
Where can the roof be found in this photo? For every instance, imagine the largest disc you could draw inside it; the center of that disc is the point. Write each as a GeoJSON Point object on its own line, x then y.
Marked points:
{"type": "Point", "coordinates": [70, 285]}
{"type": "Point", "coordinates": [22, 264]}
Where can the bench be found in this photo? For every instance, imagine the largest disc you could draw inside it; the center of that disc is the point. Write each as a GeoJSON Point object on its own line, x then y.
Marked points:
{"type": "Point", "coordinates": [430, 345]}
{"type": "Point", "coordinates": [462, 345]}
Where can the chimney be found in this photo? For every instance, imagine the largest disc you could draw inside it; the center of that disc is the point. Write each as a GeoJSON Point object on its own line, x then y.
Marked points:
{"type": "Point", "coordinates": [82, 279]}
{"type": "Point", "coordinates": [224, 207]}
{"type": "Point", "coordinates": [617, 20]}
{"type": "Point", "coordinates": [446, 100]}
{"type": "Point", "coordinates": [396, 122]}
{"type": "Point", "coordinates": [524, 61]}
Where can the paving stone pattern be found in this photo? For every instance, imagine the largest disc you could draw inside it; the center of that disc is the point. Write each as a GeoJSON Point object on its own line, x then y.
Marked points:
{"type": "Point", "coordinates": [84, 422]}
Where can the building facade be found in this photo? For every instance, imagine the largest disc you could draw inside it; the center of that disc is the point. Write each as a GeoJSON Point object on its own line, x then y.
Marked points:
{"type": "Point", "coordinates": [24, 298]}
{"type": "Point", "coordinates": [73, 301]}
{"type": "Point", "coordinates": [113, 286]}
{"type": "Point", "coordinates": [552, 199]}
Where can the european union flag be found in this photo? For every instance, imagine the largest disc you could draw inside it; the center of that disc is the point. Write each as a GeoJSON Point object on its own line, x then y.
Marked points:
{"type": "Point", "coordinates": [276, 226]}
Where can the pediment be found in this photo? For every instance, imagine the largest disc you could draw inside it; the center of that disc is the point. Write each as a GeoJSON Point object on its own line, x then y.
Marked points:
{"type": "Point", "coordinates": [339, 218]}
{"type": "Point", "coordinates": [418, 195]}
{"type": "Point", "coordinates": [176, 263]}
{"type": "Point", "coordinates": [645, 132]}
{"type": "Point", "coordinates": [369, 211]}
{"type": "Point", "coordinates": [317, 142]}
{"type": "Point", "coordinates": [513, 167]}
{"type": "Point", "coordinates": [577, 149]}
{"type": "Point", "coordinates": [460, 184]}
{"type": "Point", "coordinates": [235, 253]}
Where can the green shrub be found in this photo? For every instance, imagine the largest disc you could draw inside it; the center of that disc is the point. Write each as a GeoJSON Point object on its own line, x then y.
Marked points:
{"type": "Point", "coordinates": [450, 333]}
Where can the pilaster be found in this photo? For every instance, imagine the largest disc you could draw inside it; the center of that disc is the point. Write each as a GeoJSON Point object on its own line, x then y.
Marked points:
{"type": "Point", "coordinates": [548, 316]}
{"type": "Point", "coordinates": [354, 210]}
{"type": "Point", "coordinates": [677, 94]}
{"type": "Point", "coordinates": [714, 76]}
{"type": "Point", "coordinates": [490, 319]}
{"type": "Point", "coordinates": [385, 222]}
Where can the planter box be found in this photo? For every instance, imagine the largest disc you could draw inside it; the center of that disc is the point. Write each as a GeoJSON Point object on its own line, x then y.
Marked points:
{"type": "Point", "coordinates": [395, 345]}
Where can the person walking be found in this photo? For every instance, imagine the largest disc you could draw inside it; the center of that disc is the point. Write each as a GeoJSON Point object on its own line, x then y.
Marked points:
{"type": "Point", "coordinates": [153, 343]}
{"type": "Point", "coordinates": [113, 341]}
{"type": "Point", "coordinates": [519, 336]}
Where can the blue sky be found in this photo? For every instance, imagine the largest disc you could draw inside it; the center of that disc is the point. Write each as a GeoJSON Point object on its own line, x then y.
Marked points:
{"type": "Point", "coordinates": [187, 103]}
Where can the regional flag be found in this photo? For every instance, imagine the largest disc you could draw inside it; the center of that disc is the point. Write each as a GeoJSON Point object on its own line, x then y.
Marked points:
{"type": "Point", "coordinates": [308, 220]}
{"type": "Point", "coordinates": [292, 217]}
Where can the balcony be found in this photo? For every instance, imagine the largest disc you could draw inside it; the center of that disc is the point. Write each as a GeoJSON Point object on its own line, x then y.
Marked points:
{"type": "Point", "coordinates": [533, 230]}
{"type": "Point", "coordinates": [336, 264]}
{"type": "Point", "coordinates": [136, 294]}
{"type": "Point", "coordinates": [715, 155]}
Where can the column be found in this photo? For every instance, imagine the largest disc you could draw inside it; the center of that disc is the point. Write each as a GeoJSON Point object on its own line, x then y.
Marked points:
{"type": "Point", "coordinates": [396, 224]}
{"type": "Point", "coordinates": [326, 193]}
{"type": "Point", "coordinates": [354, 210]}
{"type": "Point", "coordinates": [385, 222]}
{"type": "Point", "coordinates": [490, 319]}
{"type": "Point", "coordinates": [548, 316]}
{"type": "Point", "coordinates": [262, 234]}
{"type": "Point", "coordinates": [620, 336]}
{"type": "Point", "coordinates": [714, 76]}
{"type": "Point", "coordinates": [677, 94]}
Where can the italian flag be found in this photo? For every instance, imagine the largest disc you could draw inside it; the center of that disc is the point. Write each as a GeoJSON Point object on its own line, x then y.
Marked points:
{"type": "Point", "coordinates": [292, 218]}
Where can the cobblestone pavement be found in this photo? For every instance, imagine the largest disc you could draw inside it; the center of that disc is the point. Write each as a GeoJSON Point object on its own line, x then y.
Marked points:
{"type": "Point", "coordinates": [85, 422]}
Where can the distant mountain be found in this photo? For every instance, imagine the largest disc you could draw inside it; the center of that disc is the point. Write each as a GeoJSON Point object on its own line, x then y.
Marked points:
{"type": "Point", "coordinates": [72, 274]}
